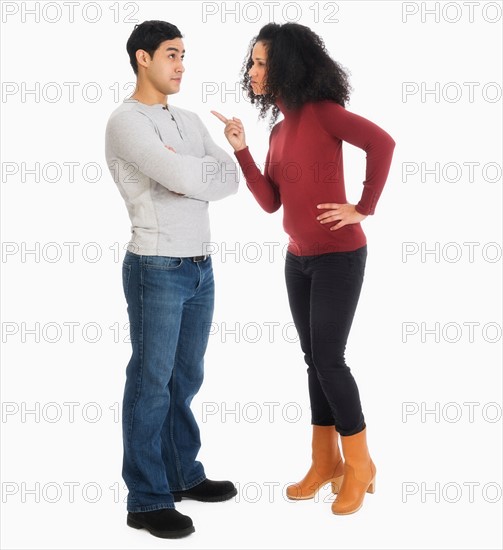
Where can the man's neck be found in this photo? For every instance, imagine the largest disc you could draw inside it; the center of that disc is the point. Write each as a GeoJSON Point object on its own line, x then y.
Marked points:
{"type": "Point", "coordinates": [150, 98]}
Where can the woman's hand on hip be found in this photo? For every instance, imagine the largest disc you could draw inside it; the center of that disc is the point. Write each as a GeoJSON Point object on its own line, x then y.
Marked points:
{"type": "Point", "coordinates": [234, 131]}
{"type": "Point", "coordinates": [344, 214]}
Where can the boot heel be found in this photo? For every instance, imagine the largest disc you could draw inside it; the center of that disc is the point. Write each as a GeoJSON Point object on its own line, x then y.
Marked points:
{"type": "Point", "coordinates": [336, 484]}
{"type": "Point", "coordinates": [372, 487]}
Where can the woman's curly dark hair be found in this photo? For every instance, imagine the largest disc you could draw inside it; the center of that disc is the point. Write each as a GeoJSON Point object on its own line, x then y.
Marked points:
{"type": "Point", "coordinates": [298, 69]}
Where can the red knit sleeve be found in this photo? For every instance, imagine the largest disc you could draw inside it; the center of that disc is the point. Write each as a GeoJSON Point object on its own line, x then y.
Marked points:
{"type": "Point", "coordinates": [264, 190]}
{"type": "Point", "coordinates": [366, 135]}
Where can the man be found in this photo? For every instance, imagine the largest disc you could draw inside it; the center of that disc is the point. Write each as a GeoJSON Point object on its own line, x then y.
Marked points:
{"type": "Point", "coordinates": [167, 168]}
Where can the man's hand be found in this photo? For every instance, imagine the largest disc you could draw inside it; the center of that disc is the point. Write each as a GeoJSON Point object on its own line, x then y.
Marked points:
{"type": "Point", "coordinates": [234, 131]}
{"type": "Point", "coordinates": [345, 214]}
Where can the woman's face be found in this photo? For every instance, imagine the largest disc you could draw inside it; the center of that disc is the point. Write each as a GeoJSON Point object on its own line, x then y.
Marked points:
{"type": "Point", "coordinates": [257, 71]}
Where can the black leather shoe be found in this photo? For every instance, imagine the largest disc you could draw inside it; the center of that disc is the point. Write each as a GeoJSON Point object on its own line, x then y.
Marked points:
{"type": "Point", "coordinates": [167, 523]}
{"type": "Point", "coordinates": [208, 491]}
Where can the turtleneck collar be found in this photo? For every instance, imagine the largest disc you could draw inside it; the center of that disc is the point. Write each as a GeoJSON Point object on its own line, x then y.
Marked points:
{"type": "Point", "coordinates": [283, 108]}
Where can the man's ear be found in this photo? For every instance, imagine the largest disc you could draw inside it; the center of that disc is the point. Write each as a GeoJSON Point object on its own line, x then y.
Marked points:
{"type": "Point", "coordinates": [142, 58]}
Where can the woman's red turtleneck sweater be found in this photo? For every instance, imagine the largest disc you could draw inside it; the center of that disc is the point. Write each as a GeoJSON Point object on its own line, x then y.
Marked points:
{"type": "Point", "coordinates": [304, 168]}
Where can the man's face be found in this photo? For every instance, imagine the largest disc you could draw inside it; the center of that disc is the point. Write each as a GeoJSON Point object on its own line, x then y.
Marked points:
{"type": "Point", "coordinates": [165, 68]}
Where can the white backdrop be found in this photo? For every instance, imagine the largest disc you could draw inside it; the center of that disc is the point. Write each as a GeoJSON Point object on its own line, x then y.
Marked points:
{"type": "Point", "coordinates": [425, 347]}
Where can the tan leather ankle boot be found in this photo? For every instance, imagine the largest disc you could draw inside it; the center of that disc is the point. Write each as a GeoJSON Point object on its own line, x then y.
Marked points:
{"type": "Point", "coordinates": [326, 467]}
{"type": "Point", "coordinates": [359, 474]}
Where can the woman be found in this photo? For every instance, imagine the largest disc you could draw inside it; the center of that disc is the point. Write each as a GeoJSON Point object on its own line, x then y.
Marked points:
{"type": "Point", "coordinates": [289, 69]}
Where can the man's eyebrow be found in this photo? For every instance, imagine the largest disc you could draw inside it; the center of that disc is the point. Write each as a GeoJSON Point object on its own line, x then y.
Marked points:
{"type": "Point", "coordinates": [172, 48]}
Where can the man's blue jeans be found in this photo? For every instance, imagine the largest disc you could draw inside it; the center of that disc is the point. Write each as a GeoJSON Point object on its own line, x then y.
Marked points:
{"type": "Point", "coordinates": [170, 307]}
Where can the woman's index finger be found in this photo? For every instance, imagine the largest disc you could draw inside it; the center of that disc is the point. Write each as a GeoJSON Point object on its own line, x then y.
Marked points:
{"type": "Point", "coordinates": [219, 116]}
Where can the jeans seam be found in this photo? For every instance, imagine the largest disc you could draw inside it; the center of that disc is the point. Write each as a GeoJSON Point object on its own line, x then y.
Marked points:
{"type": "Point", "coordinates": [139, 383]}
{"type": "Point", "coordinates": [199, 279]}
{"type": "Point", "coordinates": [172, 421]}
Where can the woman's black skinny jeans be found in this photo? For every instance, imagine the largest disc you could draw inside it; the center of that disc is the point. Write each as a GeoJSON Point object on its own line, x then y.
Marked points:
{"type": "Point", "coordinates": [323, 292]}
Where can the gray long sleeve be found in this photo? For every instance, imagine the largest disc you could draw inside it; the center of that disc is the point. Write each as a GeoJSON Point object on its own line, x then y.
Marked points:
{"type": "Point", "coordinates": [166, 192]}
{"type": "Point", "coordinates": [135, 139]}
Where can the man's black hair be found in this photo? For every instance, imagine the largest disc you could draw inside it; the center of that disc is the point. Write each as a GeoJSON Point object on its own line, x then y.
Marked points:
{"type": "Point", "coordinates": [148, 36]}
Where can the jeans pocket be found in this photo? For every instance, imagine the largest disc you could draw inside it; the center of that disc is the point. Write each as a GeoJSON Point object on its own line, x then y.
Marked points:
{"type": "Point", "coordinates": [166, 263]}
{"type": "Point", "coordinates": [126, 275]}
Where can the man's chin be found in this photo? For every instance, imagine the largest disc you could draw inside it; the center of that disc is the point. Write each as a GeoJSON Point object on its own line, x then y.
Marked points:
{"type": "Point", "coordinates": [174, 89]}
